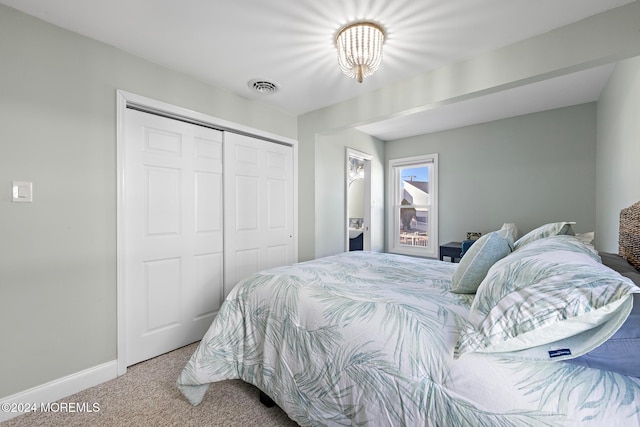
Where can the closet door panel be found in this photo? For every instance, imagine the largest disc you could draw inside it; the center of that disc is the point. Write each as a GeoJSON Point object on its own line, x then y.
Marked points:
{"type": "Point", "coordinates": [172, 231]}
{"type": "Point", "coordinates": [247, 208]}
{"type": "Point", "coordinates": [258, 206]}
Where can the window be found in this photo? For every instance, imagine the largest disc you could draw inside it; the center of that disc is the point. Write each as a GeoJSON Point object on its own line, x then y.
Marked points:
{"type": "Point", "coordinates": [413, 197]}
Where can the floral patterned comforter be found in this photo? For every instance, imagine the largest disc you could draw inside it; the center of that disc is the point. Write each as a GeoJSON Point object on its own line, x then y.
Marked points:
{"type": "Point", "coordinates": [365, 338]}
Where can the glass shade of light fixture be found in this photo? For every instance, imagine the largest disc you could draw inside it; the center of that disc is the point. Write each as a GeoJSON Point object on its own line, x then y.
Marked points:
{"type": "Point", "coordinates": [360, 49]}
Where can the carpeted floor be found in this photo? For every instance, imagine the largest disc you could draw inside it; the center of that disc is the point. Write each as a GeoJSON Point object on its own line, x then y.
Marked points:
{"type": "Point", "coordinates": [147, 396]}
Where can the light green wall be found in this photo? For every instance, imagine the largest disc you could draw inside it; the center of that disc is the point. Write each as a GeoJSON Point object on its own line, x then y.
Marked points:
{"type": "Point", "coordinates": [529, 170]}
{"type": "Point", "coordinates": [618, 151]}
{"type": "Point", "coordinates": [58, 130]}
{"type": "Point", "coordinates": [330, 173]}
{"type": "Point", "coordinates": [605, 38]}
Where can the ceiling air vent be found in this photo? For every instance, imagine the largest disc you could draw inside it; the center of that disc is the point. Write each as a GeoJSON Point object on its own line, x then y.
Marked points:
{"type": "Point", "coordinates": [263, 86]}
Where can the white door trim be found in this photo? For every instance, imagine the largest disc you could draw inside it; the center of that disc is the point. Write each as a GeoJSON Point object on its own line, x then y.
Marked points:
{"type": "Point", "coordinates": [125, 99]}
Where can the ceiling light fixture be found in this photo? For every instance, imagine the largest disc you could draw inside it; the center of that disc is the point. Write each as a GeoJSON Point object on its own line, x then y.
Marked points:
{"type": "Point", "coordinates": [360, 49]}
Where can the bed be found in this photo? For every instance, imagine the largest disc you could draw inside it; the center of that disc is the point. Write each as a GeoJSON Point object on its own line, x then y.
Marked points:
{"type": "Point", "coordinates": [364, 338]}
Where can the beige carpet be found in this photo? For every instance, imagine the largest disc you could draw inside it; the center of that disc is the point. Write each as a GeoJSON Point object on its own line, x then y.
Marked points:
{"type": "Point", "coordinates": [147, 396]}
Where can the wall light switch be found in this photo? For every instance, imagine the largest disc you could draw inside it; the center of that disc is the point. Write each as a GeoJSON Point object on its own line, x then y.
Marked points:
{"type": "Point", "coordinates": [22, 191]}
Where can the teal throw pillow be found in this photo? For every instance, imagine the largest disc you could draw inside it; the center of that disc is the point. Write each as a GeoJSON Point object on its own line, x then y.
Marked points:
{"type": "Point", "coordinates": [478, 259]}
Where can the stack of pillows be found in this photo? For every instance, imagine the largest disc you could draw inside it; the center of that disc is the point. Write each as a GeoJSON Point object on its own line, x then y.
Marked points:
{"type": "Point", "coordinates": [548, 296]}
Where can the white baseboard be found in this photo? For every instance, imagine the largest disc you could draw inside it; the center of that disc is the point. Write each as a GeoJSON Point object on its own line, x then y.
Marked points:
{"type": "Point", "coordinates": [58, 389]}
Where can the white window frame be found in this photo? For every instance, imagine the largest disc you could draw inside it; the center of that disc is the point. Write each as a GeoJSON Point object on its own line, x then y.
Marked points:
{"type": "Point", "coordinates": [393, 213]}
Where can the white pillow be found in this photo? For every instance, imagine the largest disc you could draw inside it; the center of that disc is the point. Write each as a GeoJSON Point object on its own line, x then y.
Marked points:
{"type": "Point", "coordinates": [546, 230]}
{"type": "Point", "coordinates": [550, 300]}
{"type": "Point", "coordinates": [586, 237]}
{"type": "Point", "coordinates": [512, 229]}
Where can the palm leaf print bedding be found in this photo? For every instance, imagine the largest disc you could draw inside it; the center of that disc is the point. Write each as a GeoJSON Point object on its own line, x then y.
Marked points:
{"type": "Point", "coordinates": [365, 338]}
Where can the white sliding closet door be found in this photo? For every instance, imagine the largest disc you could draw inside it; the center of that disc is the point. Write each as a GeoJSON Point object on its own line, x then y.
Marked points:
{"type": "Point", "coordinates": [258, 206]}
{"type": "Point", "coordinates": [173, 228]}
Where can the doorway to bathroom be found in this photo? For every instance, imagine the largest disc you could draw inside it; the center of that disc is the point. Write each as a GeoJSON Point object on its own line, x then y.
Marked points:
{"type": "Point", "coordinates": [358, 201]}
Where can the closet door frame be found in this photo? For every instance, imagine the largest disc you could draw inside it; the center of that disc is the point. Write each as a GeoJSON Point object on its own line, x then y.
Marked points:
{"type": "Point", "coordinates": [126, 100]}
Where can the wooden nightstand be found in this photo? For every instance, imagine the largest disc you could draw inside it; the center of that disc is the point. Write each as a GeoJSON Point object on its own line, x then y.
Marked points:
{"type": "Point", "coordinates": [451, 250]}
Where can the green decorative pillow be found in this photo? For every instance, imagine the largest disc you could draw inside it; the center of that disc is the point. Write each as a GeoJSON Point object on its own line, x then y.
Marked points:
{"type": "Point", "coordinates": [551, 229]}
{"type": "Point", "coordinates": [550, 300]}
{"type": "Point", "coordinates": [476, 262]}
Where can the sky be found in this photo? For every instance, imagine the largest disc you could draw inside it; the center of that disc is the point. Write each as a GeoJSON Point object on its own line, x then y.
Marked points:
{"type": "Point", "coordinates": [415, 174]}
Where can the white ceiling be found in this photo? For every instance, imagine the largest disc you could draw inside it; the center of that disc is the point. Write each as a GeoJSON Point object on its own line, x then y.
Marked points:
{"type": "Point", "coordinates": [291, 43]}
{"type": "Point", "coordinates": [564, 91]}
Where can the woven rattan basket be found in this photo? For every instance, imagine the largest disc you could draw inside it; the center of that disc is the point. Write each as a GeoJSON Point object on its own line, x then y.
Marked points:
{"type": "Point", "coordinates": [629, 239]}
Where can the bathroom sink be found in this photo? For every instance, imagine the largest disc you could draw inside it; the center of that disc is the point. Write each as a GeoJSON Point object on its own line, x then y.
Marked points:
{"type": "Point", "coordinates": [354, 232]}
